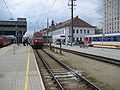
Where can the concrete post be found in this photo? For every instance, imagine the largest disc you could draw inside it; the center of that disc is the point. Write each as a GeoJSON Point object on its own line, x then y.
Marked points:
{"type": "Point", "coordinates": [22, 35]}
{"type": "Point", "coordinates": [16, 37]}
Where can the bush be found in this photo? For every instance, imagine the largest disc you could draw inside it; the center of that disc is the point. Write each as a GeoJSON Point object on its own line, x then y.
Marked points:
{"type": "Point", "coordinates": [81, 42]}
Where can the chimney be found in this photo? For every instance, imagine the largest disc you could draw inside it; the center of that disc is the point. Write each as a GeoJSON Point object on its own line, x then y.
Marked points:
{"type": "Point", "coordinates": [52, 23]}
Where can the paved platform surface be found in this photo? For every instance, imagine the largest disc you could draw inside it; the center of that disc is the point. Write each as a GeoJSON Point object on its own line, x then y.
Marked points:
{"type": "Point", "coordinates": [106, 52]}
{"type": "Point", "coordinates": [19, 71]}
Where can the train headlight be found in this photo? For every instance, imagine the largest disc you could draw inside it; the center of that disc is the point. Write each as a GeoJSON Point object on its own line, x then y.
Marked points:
{"type": "Point", "coordinates": [35, 40]}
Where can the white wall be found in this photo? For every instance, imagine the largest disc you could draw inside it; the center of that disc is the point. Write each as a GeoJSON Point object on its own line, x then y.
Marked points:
{"type": "Point", "coordinates": [66, 31]}
{"type": "Point", "coordinates": [58, 33]}
{"type": "Point", "coordinates": [82, 35]}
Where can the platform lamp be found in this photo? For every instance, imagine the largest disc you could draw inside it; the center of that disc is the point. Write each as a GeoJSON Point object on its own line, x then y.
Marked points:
{"type": "Point", "coordinates": [102, 34]}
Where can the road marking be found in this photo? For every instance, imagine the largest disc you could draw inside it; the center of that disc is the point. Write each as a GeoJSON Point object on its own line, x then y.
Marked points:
{"type": "Point", "coordinates": [27, 71]}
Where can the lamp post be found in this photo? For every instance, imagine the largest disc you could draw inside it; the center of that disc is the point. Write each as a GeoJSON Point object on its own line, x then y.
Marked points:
{"type": "Point", "coordinates": [102, 34]}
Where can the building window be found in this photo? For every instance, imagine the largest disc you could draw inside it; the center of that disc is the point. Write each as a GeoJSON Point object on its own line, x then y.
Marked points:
{"type": "Point", "coordinates": [77, 39]}
{"type": "Point", "coordinates": [77, 31]}
{"type": "Point", "coordinates": [118, 17]}
{"type": "Point", "coordinates": [80, 39]}
{"type": "Point", "coordinates": [87, 31]}
{"type": "Point", "coordinates": [118, 27]}
{"type": "Point", "coordinates": [80, 31]}
{"type": "Point", "coordinates": [84, 31]}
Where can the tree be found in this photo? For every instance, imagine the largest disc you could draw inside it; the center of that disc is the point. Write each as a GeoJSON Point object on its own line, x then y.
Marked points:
{"type": "Point", "coordinates": [97, 31]}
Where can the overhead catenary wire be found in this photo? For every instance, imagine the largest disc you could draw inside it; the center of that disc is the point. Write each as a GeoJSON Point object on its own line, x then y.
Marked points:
{"type": "Point", "coordinates": [8, 9]}
{"type": "Point", "coordinates": [93, 10]}
{"type": "Point", "coordinates": [91, 13]}
{"type": "Point", "coordinates": [50, 8]}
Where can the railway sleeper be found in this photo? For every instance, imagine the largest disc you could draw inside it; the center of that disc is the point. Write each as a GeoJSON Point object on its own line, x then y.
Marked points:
{"type": "Point", "coordinates": [66, 73]}
{"type": "Point", "coordinates": [65, 79]}
{"type": "Point", "coordinates": [58, 69]}
{"type": "Point", "coordinates": [62, 71]}
{"type": "Point", "coordinates": [51, 87]}
{"type": "Point", "coordinates": [77, 87]}
{"type": "Point", "coordinates": [64, 76]}
{"type": "Point", "coordinates": [70, 82]}
{"type": "Point", "coordinates": [74, 83]}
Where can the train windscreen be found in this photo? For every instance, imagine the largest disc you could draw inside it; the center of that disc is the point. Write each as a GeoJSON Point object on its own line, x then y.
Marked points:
{"type": "Point", "coordinates": [38, 38]}
{"type": "Point", "coordinates": [1, 38]}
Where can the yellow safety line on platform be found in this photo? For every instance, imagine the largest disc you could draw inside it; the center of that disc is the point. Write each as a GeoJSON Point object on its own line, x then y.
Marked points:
{"type": "Point", "coordinates": [27, 71]}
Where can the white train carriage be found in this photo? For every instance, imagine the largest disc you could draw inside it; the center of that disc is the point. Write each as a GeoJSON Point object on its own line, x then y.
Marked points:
{"type": "Point", "coordinates": [111, 40]}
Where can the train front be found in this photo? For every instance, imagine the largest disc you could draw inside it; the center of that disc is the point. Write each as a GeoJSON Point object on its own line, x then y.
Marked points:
{"type": "Point", "coordinates": [38, 40]}
{"type": "Point", "coordinates": [1, 40]}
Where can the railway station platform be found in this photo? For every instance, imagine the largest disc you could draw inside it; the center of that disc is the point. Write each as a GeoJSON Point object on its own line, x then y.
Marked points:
{"type": "Point", "coordinates": [19, 71]}
{"type": "Point", "coordinates": [105, 52]}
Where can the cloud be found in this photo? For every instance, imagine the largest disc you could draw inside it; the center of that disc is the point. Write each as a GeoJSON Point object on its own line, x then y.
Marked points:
{"type": "Point", "coordinates": [37, 11]}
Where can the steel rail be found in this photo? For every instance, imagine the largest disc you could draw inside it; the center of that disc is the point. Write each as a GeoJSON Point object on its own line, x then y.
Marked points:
{"type": "Point", "coordinates": [50, 71]}
{"type": "Point", "coordinates": [94, 87]}
{"type": "Point", "coordinates": [96, 57]}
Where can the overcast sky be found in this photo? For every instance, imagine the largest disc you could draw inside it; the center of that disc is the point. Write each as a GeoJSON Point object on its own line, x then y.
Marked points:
{"type": "Point", "coordinates": [38, 10]}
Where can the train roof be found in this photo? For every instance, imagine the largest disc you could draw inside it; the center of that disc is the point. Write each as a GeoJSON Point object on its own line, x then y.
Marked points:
{"type": "Point", "coordinates": [37, 34]}
{"type": "Point", "coordinates": [105, 34]}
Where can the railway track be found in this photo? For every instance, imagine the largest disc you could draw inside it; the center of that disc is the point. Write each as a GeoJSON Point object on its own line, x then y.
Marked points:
{"type": "Point", "coordinates": [58, 76]}
{"type": "Point", "coordinates": [99, 58]}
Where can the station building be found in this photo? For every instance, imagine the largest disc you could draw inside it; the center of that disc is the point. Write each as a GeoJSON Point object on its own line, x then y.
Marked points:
{"type": "Point", "coordinates": [63, 30]}
{"type": "Point", "coordinates": [15, 28]}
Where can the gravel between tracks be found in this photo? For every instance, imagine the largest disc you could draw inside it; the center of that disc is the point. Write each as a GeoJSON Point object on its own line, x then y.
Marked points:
{"type": "Point", "coordinates": [104, 75]}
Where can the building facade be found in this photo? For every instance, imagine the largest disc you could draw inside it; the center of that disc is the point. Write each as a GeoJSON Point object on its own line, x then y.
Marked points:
{"type": "Point", "coordinates": [63, 31]}
{"type": "Point", "coordinates": [111, 21]}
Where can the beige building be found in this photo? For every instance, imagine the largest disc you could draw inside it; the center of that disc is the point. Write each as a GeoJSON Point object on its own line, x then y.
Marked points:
{"type": "Point", "coordinates": [111, 16]}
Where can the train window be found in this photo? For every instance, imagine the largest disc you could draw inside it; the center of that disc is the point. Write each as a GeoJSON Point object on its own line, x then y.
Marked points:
{"type": "Point", "coordinates": [38, 38]}
{"type": "Point", "coordinates": [94, 38]}
{"type": "Point", "coordinates": [98, 38]}
{"type": "Point", "coordinates": [103, 38]}
{"type": "Point", "coordinates": [86, 38]}
{"type": "Point", "coordinates": [1, 38]}
{"type": "Point", "coordinates": [90, 39]}
{"type": "Point", "coordinates": [108, 38]}
{"type": "Point", "coordinates": [115, 38]}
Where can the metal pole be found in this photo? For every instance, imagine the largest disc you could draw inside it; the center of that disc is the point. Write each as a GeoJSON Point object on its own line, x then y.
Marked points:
{"type": "Point", "coordinates": [102, 36]}
{"type": "Point", "coordinates": [47, 28]}
{"type": "Point", "coordinates": [72, 23]}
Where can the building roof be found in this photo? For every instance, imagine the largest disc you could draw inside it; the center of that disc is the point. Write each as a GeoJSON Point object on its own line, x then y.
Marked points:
{"type": "Point", "coordinates": [77, 22]}
{"type": "Point", "coordinates": [43, 31]}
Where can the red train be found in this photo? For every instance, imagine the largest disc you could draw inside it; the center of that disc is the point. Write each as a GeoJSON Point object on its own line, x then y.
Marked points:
{"type": "Point", "coordinates": [4, 40]}
{"type": "Point", "coordinates": [37, 40]}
